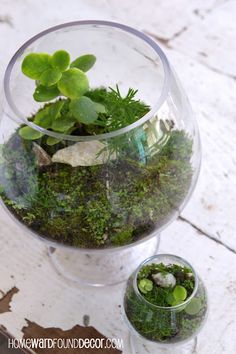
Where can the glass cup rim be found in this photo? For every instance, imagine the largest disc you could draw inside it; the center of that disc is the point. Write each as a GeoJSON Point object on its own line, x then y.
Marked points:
{"type": "Point", "coordinates": [177, 258]}
{"type": "Point", "coordinates": [114, 25]}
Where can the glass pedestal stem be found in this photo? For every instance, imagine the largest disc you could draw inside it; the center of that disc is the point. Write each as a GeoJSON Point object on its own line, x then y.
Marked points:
{"type": "Point", "coordinates": [101, 268]}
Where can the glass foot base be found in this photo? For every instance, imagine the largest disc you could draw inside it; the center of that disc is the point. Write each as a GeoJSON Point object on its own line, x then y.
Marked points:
{"type": "Point", "coordinates": [101, 268]}
{"type": "Point", "coordinates": [141, 346]}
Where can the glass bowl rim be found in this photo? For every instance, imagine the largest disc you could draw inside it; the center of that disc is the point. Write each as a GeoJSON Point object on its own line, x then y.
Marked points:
{"type": "Point", "coordinates": [177, 258]}
{"type": "Point", "coordinates": [114, 25]}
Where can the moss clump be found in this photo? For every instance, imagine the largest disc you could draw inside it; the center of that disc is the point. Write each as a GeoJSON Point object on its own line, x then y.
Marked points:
{"type": "Point", "coordinates": [98, 206]}
{"type": "Point", "coordinates": [157, 323]}
{"type": "Point", "coordinates": [123, 237]}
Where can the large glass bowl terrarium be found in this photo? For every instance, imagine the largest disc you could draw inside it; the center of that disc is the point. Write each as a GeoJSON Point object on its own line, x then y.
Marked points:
{"type": "Point", "coordinates": [95, 162]}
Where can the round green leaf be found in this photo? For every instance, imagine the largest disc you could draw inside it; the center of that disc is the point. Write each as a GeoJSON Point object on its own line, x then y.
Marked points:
{"type": "Point", "coordinates": [84, 62]}
{"type": "Point", "coordinates": [62, 124]}
{"type": "Point", "coordinates": [99, 108]}
{"type": "Point", "coordinates": [60, 60]}
{"type": "Point", "coordinates": [180, 293]}
{"type": "Point", "coordinates": [44, 93]}
{"type": "Point", "coordinates": [43, 118]}
{"type": "Point", "coordinates": [50, 77]}
{"type": "Point", "coordinates": [34, 64]}
{"type": "Point", "coordinates": [177, 302]}
{"type": "Point", "coordinates": [55, 109]}
{"type": "Point", "coordinates": [52, 141]}
{"type": "Point", "coordinates": [28, 133]}
{"type": "Point", "coordinates": [193, 307]}
{"type": "Point", "coordinates": [83, 110]}
{"type": "Point", "coordinates": [73, 83]}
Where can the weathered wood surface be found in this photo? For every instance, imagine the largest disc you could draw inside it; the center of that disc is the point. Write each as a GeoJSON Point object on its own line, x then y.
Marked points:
{"type": "Point", "coordinates": [199, 39]}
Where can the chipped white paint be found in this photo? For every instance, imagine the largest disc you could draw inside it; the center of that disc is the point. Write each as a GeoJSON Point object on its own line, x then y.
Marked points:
{"type": "Point", "coordinates": [199, 39]}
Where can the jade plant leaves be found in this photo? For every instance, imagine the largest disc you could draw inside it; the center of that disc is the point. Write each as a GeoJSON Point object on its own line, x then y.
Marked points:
{"type": "Point", "coordinates": [63, 124]}
{"type": "Point", "coordinates": [44, 94]}
{"type": "Point", "coordinates": [84, 62]}
{"type": "Point", "coordinates": [60, 60]}
{"type": "Point", "coordinates": [34, 64]}
{"type": "Point", "coordinates": [29, 133]}
{"type": "Point", "coordinates": [73, 83]}
{"type": "Point", "coordinates": [50, 77]}
{"type": "Point", "coordinates": [84, 110]}
{"type": "Point", "coordinates": [43, 118]}
{"type": "Point", "coordinates": [55, 109]}
{"type": "Point", "coordinates": [54, 76]}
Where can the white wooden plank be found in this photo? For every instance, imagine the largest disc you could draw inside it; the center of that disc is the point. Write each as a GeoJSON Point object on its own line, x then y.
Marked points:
{"type": "Point", "coordinates": [211, 40]}
{"type": "Point", "coordinates": [213, 204]}
{"type": "Point", "coordinates": [203, 39]}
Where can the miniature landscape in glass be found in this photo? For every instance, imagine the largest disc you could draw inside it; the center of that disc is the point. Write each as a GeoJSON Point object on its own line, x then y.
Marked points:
{"type": "Point", "coordinates": [161, 306]}
{"type": "Point", "coordinates": [94, 193]}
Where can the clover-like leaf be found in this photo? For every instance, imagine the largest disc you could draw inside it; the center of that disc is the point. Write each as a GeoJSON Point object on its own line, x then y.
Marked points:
{"type": "Point", "coordinates": [44, 93]}
{"type": "Point", "coordinates": [34, 64]}
{"type": "Point", "coordinates": [29, 133]}
{"type": "Point", "coordinates": [83, 109]}
{"type": "Point", "coordinates": [84, 62]}
{"type": "Point", "coordinates": [145, 285]}
{"type": "Point", "coordinates": [180, 293]}
{"type": "Point", "coordinates": [73, 83]}
{"type": "Point", "coordinates": [60, 60]}
{"type": "Point", "coordinates": [50, 77]}
{"type": "Point", "coordinates": [194, 306]}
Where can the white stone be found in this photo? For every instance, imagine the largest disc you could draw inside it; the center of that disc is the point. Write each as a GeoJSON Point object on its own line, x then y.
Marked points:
{"type": "Point", "coordinates": [164, 280]}
{"type": "Point", "coordinates": [83, 153]}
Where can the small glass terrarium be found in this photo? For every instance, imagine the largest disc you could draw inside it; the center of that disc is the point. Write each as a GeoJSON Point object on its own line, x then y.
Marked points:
{"type": "Point", "coordinates": [165, 304]}
{"type": "Point", "coordinates": [99, 150]}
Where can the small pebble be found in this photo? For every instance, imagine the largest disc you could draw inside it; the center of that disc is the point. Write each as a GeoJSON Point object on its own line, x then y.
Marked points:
{"type": "Point", "coordinates": [164, 280]}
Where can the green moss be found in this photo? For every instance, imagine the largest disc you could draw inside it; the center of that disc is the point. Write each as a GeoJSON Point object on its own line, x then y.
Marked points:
{"type": "Point", "coordinates": [123, 237]}
{"type": "Point", "coordinates": [98, 206]}
{"type": "Point", "coordinates": [179, 146]}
